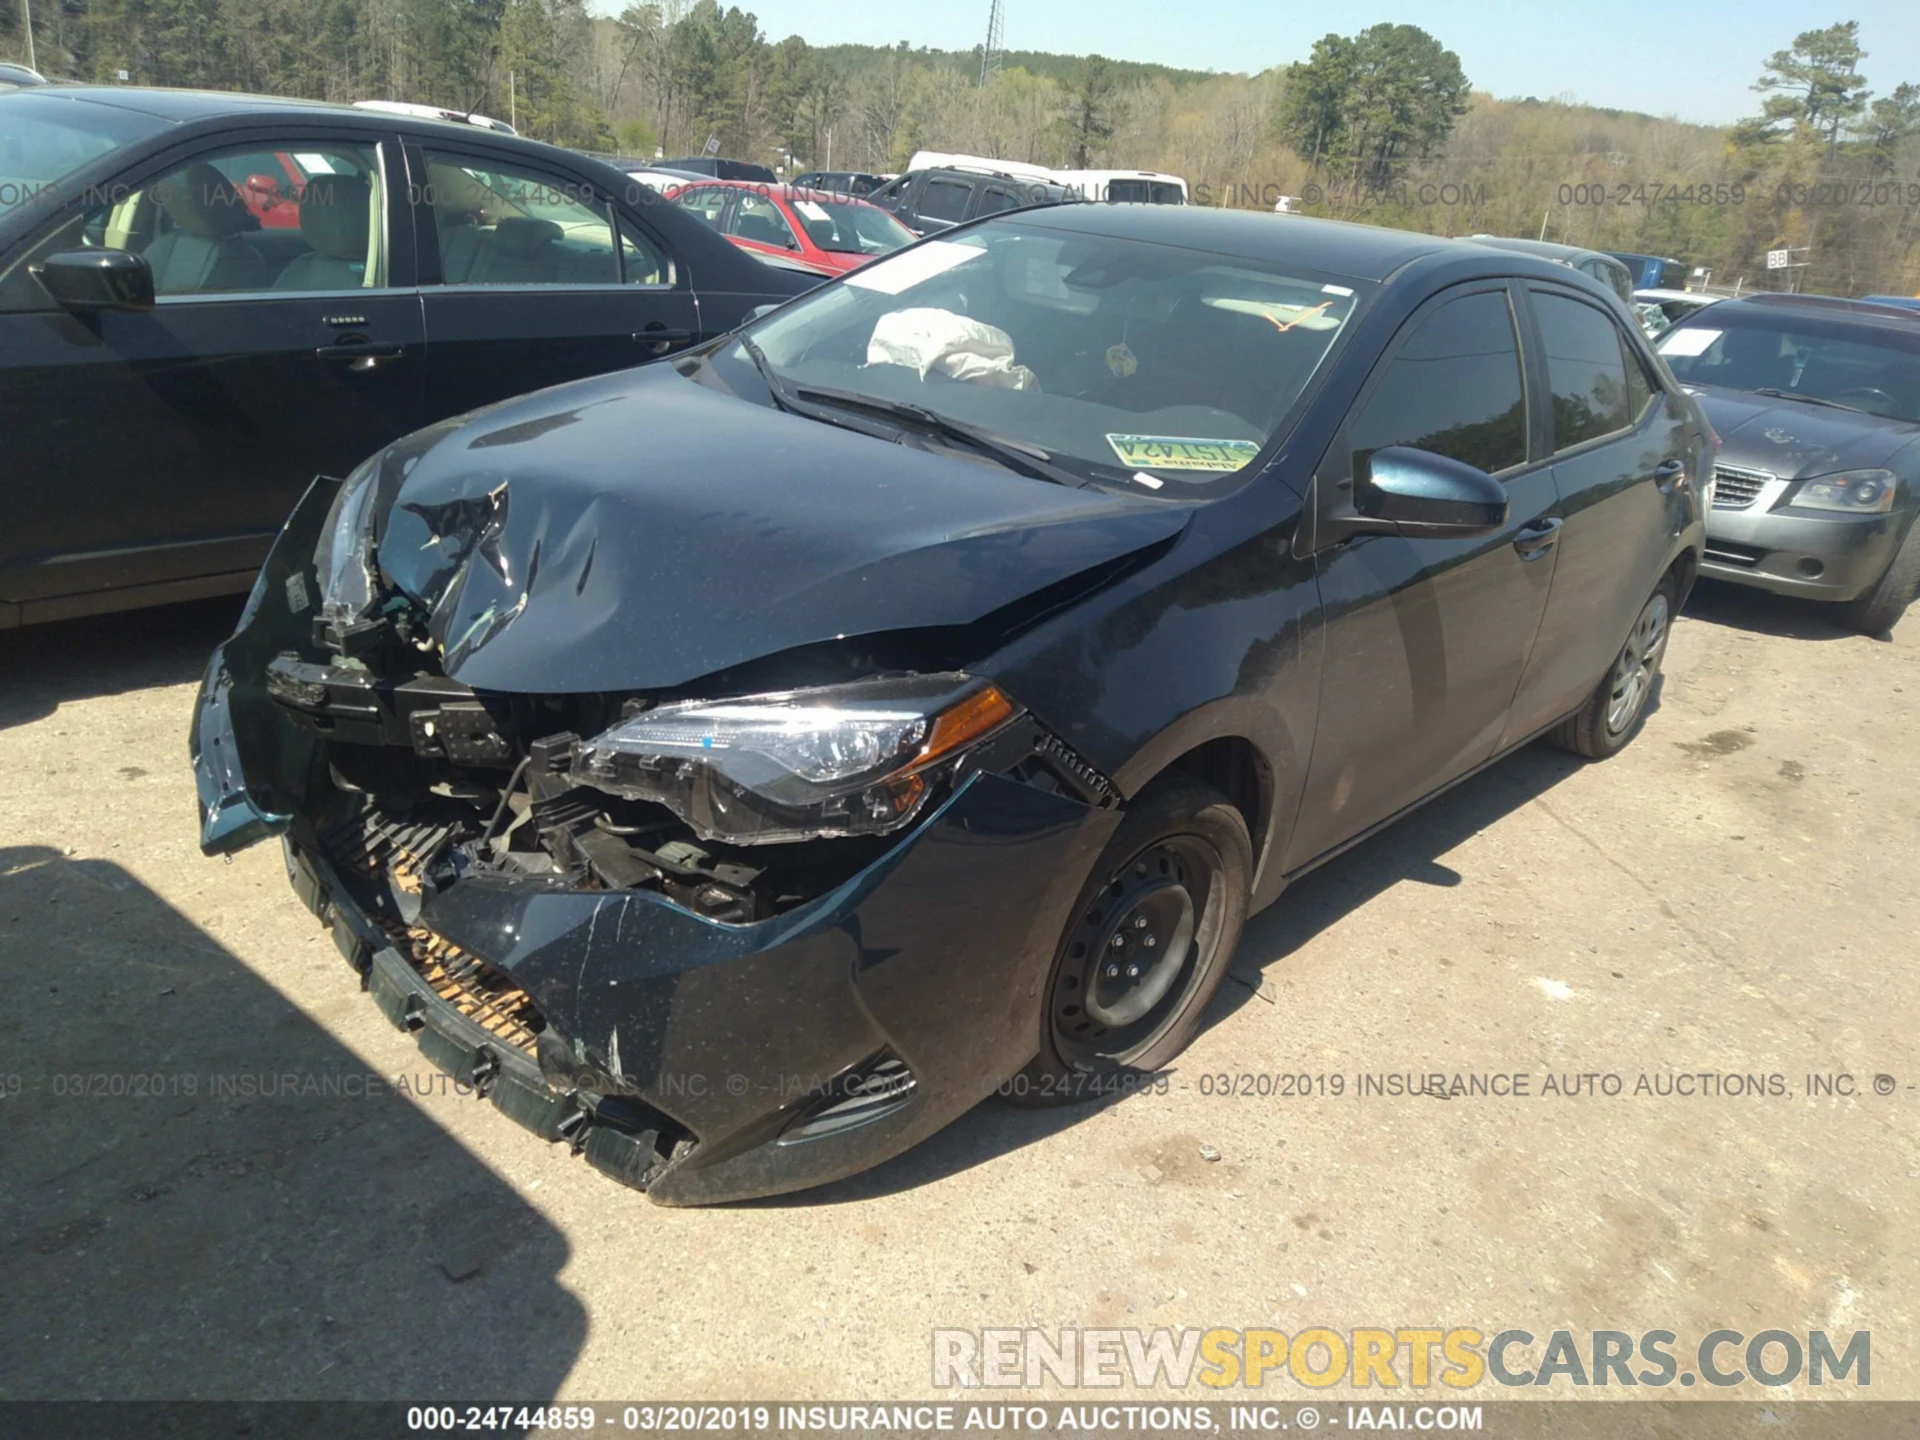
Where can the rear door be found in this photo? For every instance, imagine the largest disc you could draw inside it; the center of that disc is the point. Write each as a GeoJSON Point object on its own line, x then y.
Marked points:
{"type": "Point", "coordinates": [1622, 445]}
{"type": "Point", "coordinates": [532, 276]}
{"type": "Point", "coordinates": [156, 453]}
{"type": "Point", "coordinates": [1426, 639]}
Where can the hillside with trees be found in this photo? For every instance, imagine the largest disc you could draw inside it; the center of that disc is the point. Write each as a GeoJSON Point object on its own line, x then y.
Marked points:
{"type": "Point", "coordinates": [1381, 126]}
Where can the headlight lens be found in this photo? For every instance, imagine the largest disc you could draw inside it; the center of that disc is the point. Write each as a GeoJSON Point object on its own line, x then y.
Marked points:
{"type": "Point", "coordinates": [857, 759]}
{"type": "Point", "coordinates": [1857, 492]}
{"type": "Point", "coordinates": [344, 557]}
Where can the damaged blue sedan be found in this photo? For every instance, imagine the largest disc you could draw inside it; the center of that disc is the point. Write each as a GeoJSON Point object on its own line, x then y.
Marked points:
{"type": "Point", "coordinates": [740, 766]}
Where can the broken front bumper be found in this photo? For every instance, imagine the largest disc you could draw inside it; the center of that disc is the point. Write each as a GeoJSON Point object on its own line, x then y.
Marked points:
{"type": "Point", "coordinates": [698, 1060]}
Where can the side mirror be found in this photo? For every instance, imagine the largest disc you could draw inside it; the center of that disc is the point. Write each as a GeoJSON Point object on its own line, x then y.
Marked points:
{"type": "Point", "coordinates": [263, 188]}
{"type": "Point", "coordinates": [756, 312]}
{"type": "Point", "coordinates": [86, 281]}
{"type": "Point", "coordinates": [1415, 493]}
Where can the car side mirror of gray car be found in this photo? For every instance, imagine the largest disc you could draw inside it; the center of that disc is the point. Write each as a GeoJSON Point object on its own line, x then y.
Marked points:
{"type": "Point", "coordinates": [1416, 492]}
{"type": "Point", "coordinates": [86, 281]}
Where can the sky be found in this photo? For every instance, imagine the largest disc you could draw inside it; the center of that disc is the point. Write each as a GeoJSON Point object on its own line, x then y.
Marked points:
{"type": "Point", "coordinates": [1695, 59]}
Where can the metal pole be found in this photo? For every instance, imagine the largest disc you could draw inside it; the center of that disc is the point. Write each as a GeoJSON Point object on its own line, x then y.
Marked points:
{"type": "Point", "coordinates": [27, 6]}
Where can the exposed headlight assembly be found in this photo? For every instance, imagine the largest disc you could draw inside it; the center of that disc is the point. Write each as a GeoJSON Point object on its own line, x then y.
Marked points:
{"type": "Point", "coordinates": [344, 557]}
{"type": "Point", "coordinates": [857, 759]}
{"type": "Point", "coordinates": [1856, 492]}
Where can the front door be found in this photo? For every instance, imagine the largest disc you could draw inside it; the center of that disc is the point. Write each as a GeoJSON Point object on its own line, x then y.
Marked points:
{"type": "Point", "coordinates": [1426, 639]}
{"type": "Point", "coordinates": [160, 450]}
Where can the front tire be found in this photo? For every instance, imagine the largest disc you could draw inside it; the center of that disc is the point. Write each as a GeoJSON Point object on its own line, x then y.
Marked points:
{"type": "Point", "coordinates": [1612, 715]}
{"type": "Point", "coordinates": [1880, 609]}
{"type": "Point", "coordinates": [1147, 946]}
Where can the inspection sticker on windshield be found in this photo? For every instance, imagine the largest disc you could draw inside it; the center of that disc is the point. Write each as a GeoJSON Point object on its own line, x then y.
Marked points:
{"type": "Point", "coordinates": [1180, 452]}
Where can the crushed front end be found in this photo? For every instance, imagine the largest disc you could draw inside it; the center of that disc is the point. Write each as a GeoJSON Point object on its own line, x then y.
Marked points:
{"type": "Point", "coordinates": [715, 976]}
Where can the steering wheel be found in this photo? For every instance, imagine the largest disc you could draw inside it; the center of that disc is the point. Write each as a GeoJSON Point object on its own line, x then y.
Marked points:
{"type": "Point", "coordinates": [1867, 392]}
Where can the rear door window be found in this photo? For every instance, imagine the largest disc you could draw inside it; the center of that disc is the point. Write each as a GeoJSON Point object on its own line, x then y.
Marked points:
{"type": "Point", "coordinates": [945, 200]}
{"type": "Point", "coordinates": [994, 199]}
{"type": "Point", "coordinates": [1586, 370]}
{"type": "Point", "coordinates": [506, 224]}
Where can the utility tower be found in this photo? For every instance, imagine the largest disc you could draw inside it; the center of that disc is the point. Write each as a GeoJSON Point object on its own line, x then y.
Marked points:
{"type": "Point", "coordinates": [990, 53]}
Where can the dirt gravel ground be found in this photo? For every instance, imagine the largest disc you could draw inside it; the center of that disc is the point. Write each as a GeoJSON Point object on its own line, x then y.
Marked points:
{"type": "Point", "coordinates": [185, 1211]}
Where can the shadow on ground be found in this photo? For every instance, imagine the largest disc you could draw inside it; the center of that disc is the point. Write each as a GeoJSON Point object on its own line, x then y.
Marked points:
{"type": "Point", "coordinates": [205, 1197]}
{"type": "Point", "coordinates": [1742, 607]}
{"type": "Point", "coordinates": [43, 667]}
{"type": "Point", "coordinates": [1407, 852]}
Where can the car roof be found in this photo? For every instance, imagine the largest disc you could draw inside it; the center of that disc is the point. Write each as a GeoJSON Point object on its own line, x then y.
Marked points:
{"type": "Point", "coordinates": [1545, 249]}
{"type": "Point", "coordinates": [1654, 292]}
{"type": "Point", "coordinates": [1884, 318]}
{"type": "Point", "coordinates": [183, 106]}
{"type": "Point", "coordinates": [1339, 247]}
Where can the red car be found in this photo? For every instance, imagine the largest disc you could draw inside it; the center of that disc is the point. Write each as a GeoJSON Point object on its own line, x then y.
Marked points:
{"type": "Point", "coordinates": [812, 228]}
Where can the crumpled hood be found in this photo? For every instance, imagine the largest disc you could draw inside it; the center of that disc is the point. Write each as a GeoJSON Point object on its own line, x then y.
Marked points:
{"type": "Point", "coordinates": [1797, 441]}
{"type": "Point", "coordinates": [639, 530]}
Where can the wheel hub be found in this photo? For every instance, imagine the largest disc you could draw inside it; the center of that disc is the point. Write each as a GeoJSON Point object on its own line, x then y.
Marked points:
{"type": "Point", "coordinates": [1145, 945]}
{"type": "Point", "coordinates": [1131, 954]}
{"type": "Point", "coordinates": [1639, 662]}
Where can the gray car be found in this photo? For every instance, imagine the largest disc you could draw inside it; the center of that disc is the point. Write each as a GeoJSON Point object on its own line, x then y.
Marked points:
{"type": "Point", "coordinates": [1602, 267]}
{"type": "Point", "coordinates": [1817, 405]}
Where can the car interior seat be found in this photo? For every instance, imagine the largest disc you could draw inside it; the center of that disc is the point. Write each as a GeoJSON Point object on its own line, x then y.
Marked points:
{"type": "Point", "coordinates": [334, 216]}
{"type": "Point", "coordinates": [203, 251]}
{"type": "Point", "coordinates": [519, 250]}
{"type": "Point", "coordinates": [758, 226]}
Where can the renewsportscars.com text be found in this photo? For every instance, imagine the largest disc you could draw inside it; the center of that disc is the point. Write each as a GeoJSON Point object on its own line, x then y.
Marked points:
{"type": "Point", "coordinates": [1459, 1358]}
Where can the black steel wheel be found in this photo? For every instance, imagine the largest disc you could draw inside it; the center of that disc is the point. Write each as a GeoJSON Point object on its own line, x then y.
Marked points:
{"type": "Point", "coordinates": [1147, 945]}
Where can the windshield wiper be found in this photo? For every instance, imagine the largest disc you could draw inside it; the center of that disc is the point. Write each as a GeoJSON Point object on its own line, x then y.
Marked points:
{"type": "Point", "coordinates": [784, 398]}
{"type": "Point", "coordinates": [1014, 454]}
{"type": "Point", "coordinates": [1810, 399]}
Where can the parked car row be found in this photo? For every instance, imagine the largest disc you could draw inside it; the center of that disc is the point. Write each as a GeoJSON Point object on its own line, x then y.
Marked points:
{"type": "Point", "coordinates": [913, 681]}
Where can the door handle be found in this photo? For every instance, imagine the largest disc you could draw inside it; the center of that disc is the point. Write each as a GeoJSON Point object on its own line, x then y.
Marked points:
{"type": "Point", "coordinates": [661, 335]}
{"type": "Point", "coordinates": [362, 354]}
{"type": "Point", "coordinates": [1668, 471]}
{"type": "Point", "coordinates": [1537, 539]}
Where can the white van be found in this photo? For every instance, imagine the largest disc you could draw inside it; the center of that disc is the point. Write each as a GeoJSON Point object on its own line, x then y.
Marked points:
{"type": "Point", "coordinates": [1119, 187]}
{"type": "Point", "coordinates": [436, 112]}
{"type": "Point", "coordinates": [1126, 187]}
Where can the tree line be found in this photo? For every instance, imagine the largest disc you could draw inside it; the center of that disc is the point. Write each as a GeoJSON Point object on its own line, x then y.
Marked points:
{"type": "Point", "coordinates": [1381, 126]}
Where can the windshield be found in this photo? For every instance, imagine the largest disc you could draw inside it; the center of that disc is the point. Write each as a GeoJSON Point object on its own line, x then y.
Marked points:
{"type": "Point", "coordinates": [46, 138]}
{"type": "Point", "coordinates": [1118, 359]}
{"type": "Point", "coordinates": [1866, 367]}
{"type": "Point", "coordinates": [849, 227]}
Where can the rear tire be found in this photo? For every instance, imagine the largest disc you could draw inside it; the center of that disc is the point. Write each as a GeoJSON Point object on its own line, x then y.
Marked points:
{"type": "Point", "coordinates": [1612, 715]}
{"type": "Point", "coordinates": [1880, 609]}
{"type": "Point", "coordinates": [1147, 945]}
